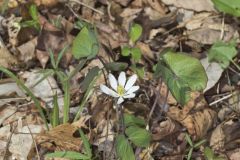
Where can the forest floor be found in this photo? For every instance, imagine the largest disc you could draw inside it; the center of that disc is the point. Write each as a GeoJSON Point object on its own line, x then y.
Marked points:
{"type": "Point", "coordinates": [119, 79]}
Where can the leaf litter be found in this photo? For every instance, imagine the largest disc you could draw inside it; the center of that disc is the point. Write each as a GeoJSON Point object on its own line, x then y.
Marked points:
{"type": "Point", "coordinates": [94, 34]}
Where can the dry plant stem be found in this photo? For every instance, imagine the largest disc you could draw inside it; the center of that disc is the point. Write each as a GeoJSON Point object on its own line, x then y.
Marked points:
{"type": "Point", "coordinates": [76, 15]}
{"type": "Point", "coordinates": [122, 120]}
{"type": "Point", "coordinates": [219, 100]}
{"type": "Point", "coordinates": [104, 153]}
{"type": "Point", "coordinates": [85, 5]}
{"type": "Point", "coordinates": [35, 144]}
{"type": "Point", "coordinates": [8, 143]}
{"type": "Point", "coordinates": [236, 65]}
{"type": "Point", "coordinates": [117, 116]}
{"type": "Point", "coordinates": [156, 100]}
{"type": "Point", "coordinates": [222, 28]}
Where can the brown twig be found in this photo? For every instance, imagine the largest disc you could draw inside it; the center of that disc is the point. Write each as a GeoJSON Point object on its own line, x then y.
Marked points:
{"type": "Point", "coordinates": [85, 5]}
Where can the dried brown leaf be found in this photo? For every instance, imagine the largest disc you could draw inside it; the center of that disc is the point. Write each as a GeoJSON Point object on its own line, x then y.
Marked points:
{"type": "Point", "coordinates": [61, 137]}
{"type": "Point", "coordinates": [195, 116]}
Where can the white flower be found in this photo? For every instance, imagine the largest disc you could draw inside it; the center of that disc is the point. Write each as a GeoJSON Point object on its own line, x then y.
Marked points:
{"type": "Point", "coordinates": [121, 88]}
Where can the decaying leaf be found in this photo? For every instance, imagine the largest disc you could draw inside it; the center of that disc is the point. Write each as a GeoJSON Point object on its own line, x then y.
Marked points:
{"type": "Point", "coordinates": [225, 135]}
{"type": "Point", "coordinates": [6, 58]}
{"type": "Point", "coordinates": [213, 71]}
{"type": "Point", "coordinates": [195, 116]}
{"type": "Point", "coordinates": [22, 142]}
{"type": "Point", "coordinates": [196, 5]}
{"type": "Point", "coordinates": [207, 29]}
{"type": "Point", "coordinates": [45, 89]}
{"type": "Point", "coordinates": [164, 128]}
{"type": "Point", "coordinates": [27, 50]}
{"type": "Point", "coordinates": [61, 137]}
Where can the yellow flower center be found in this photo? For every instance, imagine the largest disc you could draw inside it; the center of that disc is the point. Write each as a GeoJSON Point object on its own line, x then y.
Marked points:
{"type": "Point", "coordinates": [120, 90]}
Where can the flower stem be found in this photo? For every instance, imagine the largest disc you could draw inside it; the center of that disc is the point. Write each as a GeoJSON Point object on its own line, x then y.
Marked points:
{"type": "Point", "coordinates": [120, 119]}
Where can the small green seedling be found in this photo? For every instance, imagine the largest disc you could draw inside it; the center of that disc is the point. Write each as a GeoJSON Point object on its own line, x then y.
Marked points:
{"type": "Point", "coordinates": [34, 22]}
{"type": "Point", "coordinates": [133, 51]}
{"type": "Point", "coordinates": [192, 146]}
{"type": "Point", "coordinates": [209, 154]}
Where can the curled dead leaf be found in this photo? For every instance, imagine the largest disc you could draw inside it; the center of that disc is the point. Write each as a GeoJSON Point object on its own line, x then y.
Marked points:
{"type": "Point", "coordinates": [164, 128]}
{"type": "Point", "coordinates": [226, 135]}
{"type": "Point", "coordinates": [60, 137]}
{"type": "Point", "coordinates": [195, 116]}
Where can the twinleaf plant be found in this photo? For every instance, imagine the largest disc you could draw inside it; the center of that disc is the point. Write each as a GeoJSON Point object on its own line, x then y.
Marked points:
{"type": "Point", "coordinates": [231, 7]}
{"type": "Point", "coordinates": [133, 51]}
{"type": "Point", "coordinates": [182, 74]}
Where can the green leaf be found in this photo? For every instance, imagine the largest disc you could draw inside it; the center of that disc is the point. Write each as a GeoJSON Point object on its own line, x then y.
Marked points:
{"type": "Point", "coordinates": [222, 53]}
{"type": "Point", "coordinates": [135, 32]}
{"type": "Point", "coordinates": [124, 149]}
{"type": "Point", "coordinates": [139, 136]}
{"type": "Point", "coordinates": [231, 7]}
{"type": "Point", "coordinates": [85, 44]}
{"type": "Point", "coordinates": [66, 99]}
{"type": "Point", "coordinates": [125, 51]}
{"type": "Point", "coordinates": [189, 156]}
{"type": "Point", "coordinates": [67, 154]}
{"type": "Point", "coordinates": [209, 154]}
{"type": "Point", "coordinates": [55, 114]}
{"type": "Point", "coordinates": [89, 78]}
{"type": "Point", "coordinates": [182, 74]}
{"type": "Point", "coordinates": [177, 87]}
{"type": "Point", "coordinates": [136, 54]}
{"type": "Point", "coordinates": [86, 144]}
{"type": "Point", "coordinates": [130, 120]}
{"type": "Point", "coordinates": [188, 69]}
{"type": "Point", "coordinates": [60, 55]}
{"type": "Point", "coordinates": [116, 66]}
{"type": "Point", "coordinates": [33, 12]}
{"type": "Point", "coordinates": [52, 58]}
{"type": "Point", "coordinates": [198, 144]}
{"type": "Point", "coordinates": [139, 70]}
{"type": "Point", "coordinates": [188, 139]}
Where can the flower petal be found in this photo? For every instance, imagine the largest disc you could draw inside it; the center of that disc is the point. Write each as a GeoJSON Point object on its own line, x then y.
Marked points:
{"type": "Point", "coordinates": [131, 82]}
{"type": "Point", "coordinates": [122, 79]}
{"type": "Point", "coordinates": [108, 91]}
{"type": "Point", "coordinates": [113, 81]}
{"type": "Point", "coordinates": [120, 100]}
{"type": "Point", "coordinates": [132, 89]}
{"type": "Point", "coordinates": [132, 95]}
